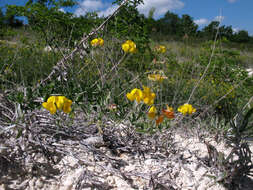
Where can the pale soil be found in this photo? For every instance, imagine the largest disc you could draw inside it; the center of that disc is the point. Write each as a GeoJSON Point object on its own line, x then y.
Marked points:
{"type": "Point", "coordinates": [183, 169]}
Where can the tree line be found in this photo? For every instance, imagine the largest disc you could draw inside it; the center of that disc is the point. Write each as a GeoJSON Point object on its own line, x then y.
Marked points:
{"type": "Point", "coordinates": [43, 15]}
{"type": "Point", "coordinates": [184, 26]}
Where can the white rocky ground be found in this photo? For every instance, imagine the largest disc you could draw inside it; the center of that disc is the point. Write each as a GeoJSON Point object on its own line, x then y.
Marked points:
{"type": "Point", "coordinates": [183, 169]}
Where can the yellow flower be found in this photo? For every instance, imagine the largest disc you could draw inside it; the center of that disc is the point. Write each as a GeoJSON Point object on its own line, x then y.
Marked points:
{"type": "Point", "coordinates": [148, 96]}
{"type": "Point", "coordinates": [135, 94]}
{"type": "Point", "coordinates": [57, 102]}
{"type": "Point", "coordinates": [100, 41]}
{"type": "Point", "coordinates": [161, 49]}
{"type": "Point", "coordinates": [97, 42]}
{"type": "Point", "coordinates": [152, 112]}
{"type": "Point", "coordinates": [129, 47]}
{"type": "Point", "coordinates": [50, 105]}
{"type": "Point", "coordinates": [186, 109]}
{"type": "Point", "coordinates": [94, 42]}
{"type": "Point", "coordinates": [156, 77]}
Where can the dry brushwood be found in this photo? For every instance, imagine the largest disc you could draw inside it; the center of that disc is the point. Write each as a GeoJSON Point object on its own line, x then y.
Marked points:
{"type": "Point", "coordinates": [7, 110]}
{"type": "Point", "coordinates": [231, 170]}
{"type": "Point", "coordinates": [40, 136]}
{"type": "Point", "coordinates": [60, 68]}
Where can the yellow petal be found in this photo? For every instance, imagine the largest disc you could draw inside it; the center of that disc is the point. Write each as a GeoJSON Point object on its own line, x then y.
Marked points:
{"type": "Point", "coordinates": [146, 100]}
{"type": "Point", "coordinates": [101, 41]}
{"type": "Point", "coordinates": [94, 42]}
{"type": "Point", "coordinates": [138, 95]}
{"type": "Point", "coordinates": [60, 101]}
{"type": "Point", "coordinates": [138, 99]}
{"type": "Point", "coordinates": [152, 112]}
{"type": "Point", "coordinates": [130, 96]}
{"type": "Point", "coordinates": [50, 107]}
{"type": "Point", "coordinates": [51, 99]}
{"type": "Point", "coordinates": [67, 106]}
{"type": "Point", "coordinates": [125, 47]}
{"type": "Point", "coordinates": [45, 105]}
{"type": "Point", "coordinates": [151, 77]}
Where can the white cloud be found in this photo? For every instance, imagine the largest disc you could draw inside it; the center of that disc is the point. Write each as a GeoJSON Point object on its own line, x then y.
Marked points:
{"type": "Point", "coordinates": [108, 11]}
{"type": "Point", "coordinates": [161, 6]}
{"type": "Point", "coordinates": [219, 18]}
{"type": "Point", "coordinates": [105, 8]}
{"type": "Point", "coordinates": [62, 10]}
{"type": "Point", "coordinates": [88, 6]}
{"type": "Point", "coordinates": [201, 21]}
{"type": "Point", "coordinates": [235, 30]}
{"type": "Point", "coordinates": [231, 1]}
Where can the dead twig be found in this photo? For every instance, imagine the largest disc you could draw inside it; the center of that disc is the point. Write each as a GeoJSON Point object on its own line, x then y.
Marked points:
{"type": "Point", "coordinates": [60, 66]}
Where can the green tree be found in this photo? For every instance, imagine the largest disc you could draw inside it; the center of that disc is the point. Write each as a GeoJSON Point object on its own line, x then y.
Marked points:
{"type": "Point", "coordinates": [150, 21]}
{"type": "Point", "coordinates": [44, 17]}
{"type": "Point", "coordinates": [210, 30]}
{"type": "Point", "coordinates": [188, 27]}
{"type": "Point", "coordinates": [169, 24]}
{"type": "Point", "coordinates": [1, 18]}
{"type": "Point", "coordinates": [130, 24]}
{"type": "Point", "coordinates": [84, 24]}
{"type": "Point", "coordinates": [226, 31]}
{"type": "Point", "coordinates": [241, 36]}
{"type": "Point", "coordinates": [38, 11]}
{"type": "Point", "coordinates": [11, 20]}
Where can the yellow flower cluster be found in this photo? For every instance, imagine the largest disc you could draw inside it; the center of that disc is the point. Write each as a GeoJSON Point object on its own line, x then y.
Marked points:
{"type": "Point", "coordinates": [186, 109]}
{"type": "Point", "coordinates": [135, 94]}
{"type": "Point", "coordinates": [97, 42]}
{"type": "Point", "coordinates": [57, 102]}
{"type": "Point", "coordinates": [156, 77]}
{"type": "Point", "coordinates": [129, 47]}
{"type": "Point", "coordinates": [146, 95]}
{"type": "Point", "coordinates": [161, 49]}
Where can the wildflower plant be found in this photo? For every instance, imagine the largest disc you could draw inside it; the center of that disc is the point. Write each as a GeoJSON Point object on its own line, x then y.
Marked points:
{"type": "Point", "coordinates": [135, 94]}
{"type": "Point", "coordinates": [129, 47]}
{"type": "Point", "coordinates": [160, 49]}
{"type": "Point", "coordinates": [156, 77]}
{"type": "Point", "coordinates": [148, 96]}
{"type": "Point", "coordinates": [186, 109]}
{"type": "Point", "coordinates": [55, 103]}
{"type": "Point", "coordinates": [166, 113]}
{"type": "Point", "coordinates": [142, 97]}
{"type": "Point", "coordinates": [97, 42]}
{"type": "Point", "coordinates": [145, 95]}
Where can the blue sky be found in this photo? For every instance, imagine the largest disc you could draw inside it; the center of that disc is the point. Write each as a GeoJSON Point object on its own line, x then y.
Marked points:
{"type": "Point", "coordinates": [237, 13]}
